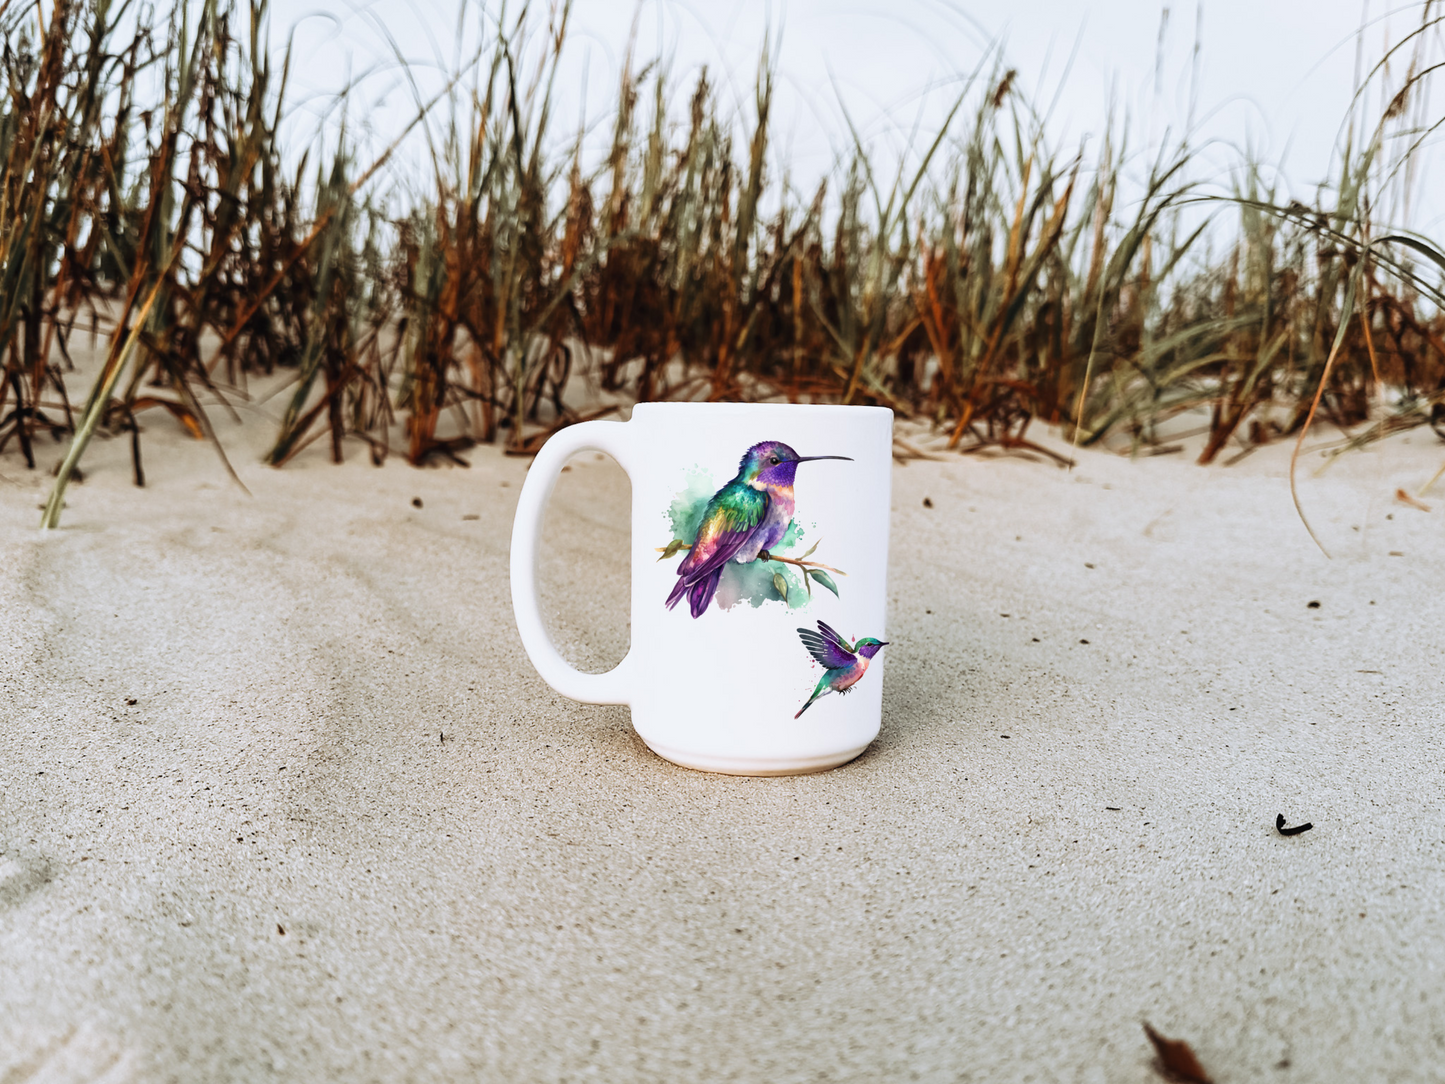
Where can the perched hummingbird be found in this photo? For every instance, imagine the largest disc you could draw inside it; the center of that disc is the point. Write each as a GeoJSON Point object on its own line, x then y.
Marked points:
{"type": "Point", "coordinates": [843, 663]}
{"type": "Point", "coordinates": [744, 519]}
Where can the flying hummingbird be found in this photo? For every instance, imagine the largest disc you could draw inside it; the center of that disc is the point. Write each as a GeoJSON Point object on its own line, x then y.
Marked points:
{"type": "Point", "coordinates": [843, 663]}
{"type": "Point", "coordinates": [743, 520]}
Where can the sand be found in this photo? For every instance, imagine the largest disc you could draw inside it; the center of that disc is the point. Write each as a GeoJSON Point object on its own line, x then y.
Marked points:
{"type": "Point", "coordinates": [283, 799]}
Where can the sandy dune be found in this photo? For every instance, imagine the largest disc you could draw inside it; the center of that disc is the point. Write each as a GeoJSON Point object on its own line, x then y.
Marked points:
{"type": "Point", "coordinates": [282, 798]}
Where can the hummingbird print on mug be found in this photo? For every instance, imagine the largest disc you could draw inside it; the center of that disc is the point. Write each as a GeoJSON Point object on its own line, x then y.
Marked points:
{"type": "Point", "coordinates": [843, 664]}
{"type": "Point", "coordinates": [735, 535]}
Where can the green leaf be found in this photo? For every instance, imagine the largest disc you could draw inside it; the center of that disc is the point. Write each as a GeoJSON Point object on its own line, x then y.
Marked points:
{"type": "Point", "coordinates": [780, 585]}
{"type": "Point", "coordinates": [825, 579]}
{"type": "Point", "coordinates": [810, 551]}
{"type": "Point", "coordinates": [672, 547]}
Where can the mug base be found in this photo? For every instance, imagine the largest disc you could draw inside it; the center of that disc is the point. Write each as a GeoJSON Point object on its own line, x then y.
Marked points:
{"type": "Point", "coordinates": [703, 762]}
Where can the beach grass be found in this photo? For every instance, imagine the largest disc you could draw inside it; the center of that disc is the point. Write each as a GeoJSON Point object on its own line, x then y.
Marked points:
{"type": "Point", "coordinates": [988, 281]}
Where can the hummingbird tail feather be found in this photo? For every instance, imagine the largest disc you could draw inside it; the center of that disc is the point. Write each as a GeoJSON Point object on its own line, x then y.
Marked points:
{"type": "Point", "coordinates": [700, 596]}
{"type": "Point", "coordinates": [678, 590]}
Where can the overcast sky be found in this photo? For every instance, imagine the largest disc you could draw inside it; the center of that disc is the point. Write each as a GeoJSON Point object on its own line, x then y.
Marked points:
{"type": "Point", "coordinates": [1276, 75]}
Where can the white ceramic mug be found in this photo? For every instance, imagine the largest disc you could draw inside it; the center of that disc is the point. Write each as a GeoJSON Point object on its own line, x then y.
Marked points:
{"type": "Point", "coordinates": [759, 570]}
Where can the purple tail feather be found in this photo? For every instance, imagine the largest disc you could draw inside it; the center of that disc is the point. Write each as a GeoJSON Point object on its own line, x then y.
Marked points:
{"type": "Point", "coordinates": [678, 590]}
{"type": "Point", "coordinates": [702, 592]}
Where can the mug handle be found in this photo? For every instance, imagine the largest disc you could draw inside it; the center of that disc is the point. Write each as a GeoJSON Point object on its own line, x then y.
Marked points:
{"type": "Point", "coordinates": [612, 686]}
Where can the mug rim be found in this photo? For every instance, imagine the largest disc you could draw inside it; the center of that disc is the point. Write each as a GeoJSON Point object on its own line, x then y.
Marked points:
{"type": "Point", "coordinates": [726, 408]}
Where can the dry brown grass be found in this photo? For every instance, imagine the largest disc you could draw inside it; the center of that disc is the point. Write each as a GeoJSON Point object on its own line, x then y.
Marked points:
{"type": "Point", "coordinates": [994, 283]}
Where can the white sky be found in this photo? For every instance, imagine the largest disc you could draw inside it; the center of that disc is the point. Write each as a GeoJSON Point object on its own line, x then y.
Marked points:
{"type": "Point", "coordinates": [1276, 75]}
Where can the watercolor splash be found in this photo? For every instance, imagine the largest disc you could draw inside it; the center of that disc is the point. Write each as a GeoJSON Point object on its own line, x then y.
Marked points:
{"type": "Point", "coordinates": [751, 583]}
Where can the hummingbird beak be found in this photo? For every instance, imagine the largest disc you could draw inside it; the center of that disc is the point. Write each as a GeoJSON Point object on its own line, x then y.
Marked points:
{"type": "Point", "coordinates": [813, 458]}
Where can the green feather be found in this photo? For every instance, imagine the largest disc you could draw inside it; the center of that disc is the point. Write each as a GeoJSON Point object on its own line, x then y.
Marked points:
{"type": "Point", "coordinates": [741, 507]}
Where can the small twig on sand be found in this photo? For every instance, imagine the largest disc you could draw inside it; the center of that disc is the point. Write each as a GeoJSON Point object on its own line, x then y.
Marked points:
{"type": "Point", "coordinates": [1433, 479]}
{"type": "Point", "coordinates": [1405, 498]}
{"type": "Point", "coordinates": [913, 451]}
{"type": "Point", "coordinates": [1015, 444]}
{"type": "Point", "coordinates": [1296, 830]}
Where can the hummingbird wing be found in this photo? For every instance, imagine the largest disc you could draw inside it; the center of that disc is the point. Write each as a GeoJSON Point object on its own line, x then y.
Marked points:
{"type": "Point", "coordinates": [828, 648]}
{"type": "Point", "coordinates": [732, 517]}
{"type": "Point", "coordinates": [830, 633]}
